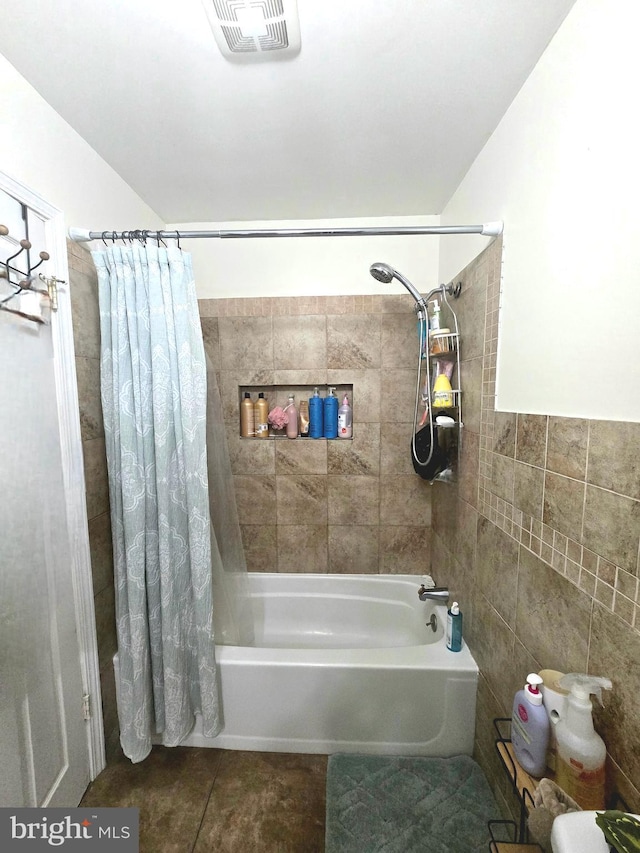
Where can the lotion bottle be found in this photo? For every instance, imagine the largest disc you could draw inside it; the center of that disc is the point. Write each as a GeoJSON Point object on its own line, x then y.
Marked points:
{"type": "Point", "coordinates": [345, 419]}
{"type": "Point", "coordinates": [247, 422]}
{"type": "Point", "coordinates": [581, 752]}
{"type": "Point", "coordinates": [530, 727]}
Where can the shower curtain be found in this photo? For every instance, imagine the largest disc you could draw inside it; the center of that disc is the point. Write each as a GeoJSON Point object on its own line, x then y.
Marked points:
{"type": "Point", "coordinates": [154, 399]}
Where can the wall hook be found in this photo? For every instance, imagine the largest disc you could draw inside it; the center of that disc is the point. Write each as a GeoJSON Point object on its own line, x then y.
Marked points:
{"type": "Point", "coordinates": [44, 256]}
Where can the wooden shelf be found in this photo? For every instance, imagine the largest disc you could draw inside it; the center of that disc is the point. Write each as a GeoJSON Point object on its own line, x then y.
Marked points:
{"type": "Point", "coordinates": [524, 784]}
{"type": "Point", "coordinates": [524, 787]}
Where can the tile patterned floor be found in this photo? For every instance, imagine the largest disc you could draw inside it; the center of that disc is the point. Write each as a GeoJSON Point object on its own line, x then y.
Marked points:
{"type": "Point", "coordinates": [220, 801]}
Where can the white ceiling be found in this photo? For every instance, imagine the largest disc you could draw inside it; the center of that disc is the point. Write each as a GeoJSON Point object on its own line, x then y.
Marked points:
{"type": "Point", "coordinates": [381, 113]}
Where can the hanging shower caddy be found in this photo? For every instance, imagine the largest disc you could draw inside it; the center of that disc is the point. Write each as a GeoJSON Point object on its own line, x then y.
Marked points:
{"type": "Point", "coordinates": [436, 446]}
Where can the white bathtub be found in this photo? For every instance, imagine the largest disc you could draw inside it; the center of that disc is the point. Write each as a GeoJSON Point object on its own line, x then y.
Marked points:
{"type": "Point", "coordinates": [345, 663]}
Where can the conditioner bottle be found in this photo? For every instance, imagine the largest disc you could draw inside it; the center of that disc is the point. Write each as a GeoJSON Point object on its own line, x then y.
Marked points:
{"type": "Point", "coordinates": [330, 419]}
{"type": "Point", "coordinates": [260, 412]}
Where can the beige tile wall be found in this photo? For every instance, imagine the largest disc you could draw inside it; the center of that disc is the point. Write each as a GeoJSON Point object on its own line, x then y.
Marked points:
{"type": "Point", "coordinates": [315, 505]}
{"type": "Point", "coordinates": [540, 543]}
{"type": "Point", "coordinates": [86, 332]}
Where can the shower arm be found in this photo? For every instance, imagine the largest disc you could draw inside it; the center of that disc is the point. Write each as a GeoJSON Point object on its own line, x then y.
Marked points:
{"type": "Point", "coordinates": [489, 229]}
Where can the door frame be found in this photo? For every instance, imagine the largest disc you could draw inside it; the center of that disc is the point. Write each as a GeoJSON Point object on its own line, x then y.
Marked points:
{"type": "Point", "coordinates": [64, 366]}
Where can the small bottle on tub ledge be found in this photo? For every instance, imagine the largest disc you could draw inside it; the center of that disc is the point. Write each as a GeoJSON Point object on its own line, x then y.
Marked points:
{"type": "Point", "coordinates": [454, 628]}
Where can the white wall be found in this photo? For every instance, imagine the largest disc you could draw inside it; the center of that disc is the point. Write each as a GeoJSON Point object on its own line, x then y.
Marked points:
{"type": "Point", "coordinates": [40, 150]}
{"type": "Point", "coordinates": [310, 266]}
{"type": "Point", "coordinates": [563, 171]}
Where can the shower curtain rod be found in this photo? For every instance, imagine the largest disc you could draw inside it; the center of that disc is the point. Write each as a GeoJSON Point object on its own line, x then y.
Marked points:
{"type": "Point", "coordinates": [489, 229]}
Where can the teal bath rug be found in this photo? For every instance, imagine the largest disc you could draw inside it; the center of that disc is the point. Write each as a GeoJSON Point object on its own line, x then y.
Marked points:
{"type": "Point", "coordinates": [396, 804]}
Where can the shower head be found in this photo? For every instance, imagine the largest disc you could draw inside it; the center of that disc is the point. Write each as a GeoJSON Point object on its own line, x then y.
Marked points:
{"type": "Point", "coordinates": [381, 272]}
{"type": "Point", "coordinates": [384, 273]}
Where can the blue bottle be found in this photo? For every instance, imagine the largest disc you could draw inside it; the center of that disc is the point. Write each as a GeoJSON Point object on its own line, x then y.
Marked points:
{"type": "Point", "coordinates": [454, 628]}
{"type": "Point", "coordinates": [316, 415]}
{"type": "Point", "coordinates": [330, 419]}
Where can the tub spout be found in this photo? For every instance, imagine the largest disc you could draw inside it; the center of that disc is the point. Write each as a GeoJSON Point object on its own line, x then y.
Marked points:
{"type": "Point", "coordinates": [435, 593]}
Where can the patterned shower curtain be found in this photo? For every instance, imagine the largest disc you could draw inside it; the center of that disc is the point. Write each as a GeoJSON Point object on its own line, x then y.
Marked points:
{"type": "Point", "coordinates": [154, 398]}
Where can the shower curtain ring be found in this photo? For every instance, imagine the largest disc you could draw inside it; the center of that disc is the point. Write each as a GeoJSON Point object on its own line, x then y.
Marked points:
{"type": "Point", "coordinates": [178, 239]}
{"type": "Point", "coordinates": [104, 238]}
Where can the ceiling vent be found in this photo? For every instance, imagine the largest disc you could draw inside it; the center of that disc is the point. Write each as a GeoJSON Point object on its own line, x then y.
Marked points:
{"type": "Point", "coordinates": [250, 30]}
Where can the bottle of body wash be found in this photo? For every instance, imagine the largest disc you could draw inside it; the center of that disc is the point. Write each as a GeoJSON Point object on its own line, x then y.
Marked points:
{"type": "Point", "coordinates": [530, 727]}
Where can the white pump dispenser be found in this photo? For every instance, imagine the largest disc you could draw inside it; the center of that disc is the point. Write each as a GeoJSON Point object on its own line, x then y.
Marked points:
{"type": "Point", "coordinates": [581, 751]}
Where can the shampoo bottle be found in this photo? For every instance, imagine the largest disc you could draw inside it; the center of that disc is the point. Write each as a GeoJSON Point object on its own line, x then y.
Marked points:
{"type": "Point", "coordinates": [454, 628]}
{"type": "Point", "coordinates": [292, 418]}
{"type": "Point", "coordinates": [345, 419]}
{"type": "Point", "coordinates": [260, 412]}
{"type": "Point", "coordinates": [247, 422]}
{"type": "Point", "coordinates": [581, 753]}
{"type": "Point", "coordinates": [316, 415]}
{"type": "Point", "coordinates": [530, 727]}
{"type": "Point", "coordinates": [330, 419]}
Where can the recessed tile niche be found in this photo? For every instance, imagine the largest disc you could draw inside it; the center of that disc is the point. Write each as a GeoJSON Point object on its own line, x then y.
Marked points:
{"type": "Point", "coordinates": [278, 395]}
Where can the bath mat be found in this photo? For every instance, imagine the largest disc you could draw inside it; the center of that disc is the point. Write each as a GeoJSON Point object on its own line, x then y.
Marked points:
{"type": "Point", "coordinates": [397, 804]}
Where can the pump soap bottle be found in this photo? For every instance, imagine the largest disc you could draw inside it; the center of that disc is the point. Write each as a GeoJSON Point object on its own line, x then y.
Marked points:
{"type": "Point", "coordinates": [530, 727]}
{"type": "Point", "coordinates": [330, 420]}
{"type": "Point", "coordinates": [580, 759]}
{"type": "Point", "coordinates": [316, 416]}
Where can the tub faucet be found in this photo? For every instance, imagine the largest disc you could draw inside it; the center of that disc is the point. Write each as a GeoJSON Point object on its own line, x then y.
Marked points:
{"type": "Point", "coordinates": [435, 593]}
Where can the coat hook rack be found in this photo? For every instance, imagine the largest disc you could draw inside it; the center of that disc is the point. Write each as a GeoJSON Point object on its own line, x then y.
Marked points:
{"type": "Point", "coordinates": [26, 281]}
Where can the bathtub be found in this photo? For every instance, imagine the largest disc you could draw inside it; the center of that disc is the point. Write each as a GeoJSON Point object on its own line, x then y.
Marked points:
{"type": "Point", "coordinates": [345, 663]}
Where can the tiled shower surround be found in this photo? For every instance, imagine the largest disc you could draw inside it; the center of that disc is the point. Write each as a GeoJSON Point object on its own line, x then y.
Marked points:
{"type": "Point", "coordinates": [317, 505]}
{"type": "Point", "coordinates": [539, 542]}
